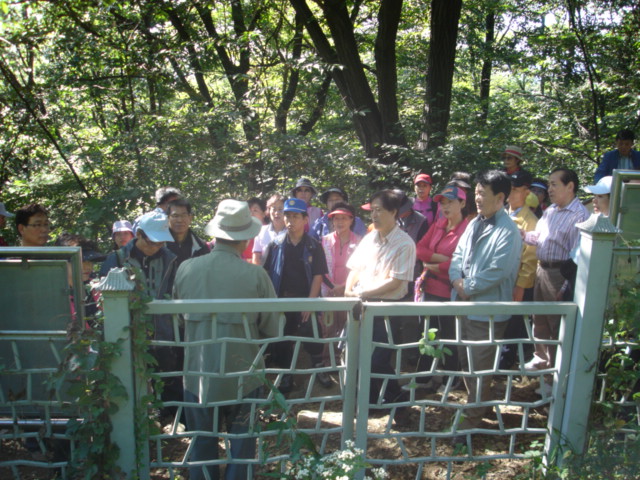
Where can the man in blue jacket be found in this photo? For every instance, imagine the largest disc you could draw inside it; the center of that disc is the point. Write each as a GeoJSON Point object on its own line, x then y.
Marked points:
{"type": "Point", "coordinates": [624, 157]}
{"type": "Point", "coordinates": [484, 268]}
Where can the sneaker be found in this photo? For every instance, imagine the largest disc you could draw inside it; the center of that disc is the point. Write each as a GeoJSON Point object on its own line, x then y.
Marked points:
{"type": "Point", "coordinates": [544, 390]}
{"type": "Point", "coordinates": [324, 378]}
{"type": "Point", "coordinates": [534, 365]}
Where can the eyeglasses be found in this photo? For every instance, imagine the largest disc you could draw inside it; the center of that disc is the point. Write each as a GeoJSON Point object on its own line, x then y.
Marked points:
{"type": "Point", "coordinates": [179, 216]}
{"type": "Point", "coordinates": [304, 189]}
{"type": "Point", "coordinates": [46, 226]}
{"type": "Point", "coordinates": [151, 242]}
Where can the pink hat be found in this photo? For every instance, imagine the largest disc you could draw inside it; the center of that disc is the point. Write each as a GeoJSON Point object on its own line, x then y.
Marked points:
{"type": "Point", "coordinates": [339, 211]}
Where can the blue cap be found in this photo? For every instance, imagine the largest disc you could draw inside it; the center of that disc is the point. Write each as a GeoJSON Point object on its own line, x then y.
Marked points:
{"type": "Point", "coordinates": [295, 205]}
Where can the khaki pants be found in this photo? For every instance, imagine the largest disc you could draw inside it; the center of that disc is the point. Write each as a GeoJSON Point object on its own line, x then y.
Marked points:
{"type": "Point", "coordinates": [549, 281]}
{"type": "Point", "coordinates": [483, 357]}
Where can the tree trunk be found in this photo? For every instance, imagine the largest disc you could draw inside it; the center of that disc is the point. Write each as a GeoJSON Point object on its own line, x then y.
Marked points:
{"type": "Point", "coordinates": [372, 126]}
{"type": "Point", "coordinates": [445, 15]}
{"type": "Point", "coordinates": [385, 54]}
{"type": "Point", "coordinates": [487, 63]}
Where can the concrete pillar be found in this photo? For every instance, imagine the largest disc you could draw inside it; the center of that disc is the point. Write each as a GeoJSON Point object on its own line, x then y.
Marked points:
{"type": "Point", "coordinates": [597, 236]}
{"type": "Point", "coordinates": [115, 288]}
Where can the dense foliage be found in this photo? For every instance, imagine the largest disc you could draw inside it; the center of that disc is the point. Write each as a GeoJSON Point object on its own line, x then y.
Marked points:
{"type": "Point", "coordinates": [101, 102]}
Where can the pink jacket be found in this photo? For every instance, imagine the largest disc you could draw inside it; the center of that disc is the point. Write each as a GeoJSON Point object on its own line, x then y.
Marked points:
{"type": "Point", "coordinates": [438, 240]}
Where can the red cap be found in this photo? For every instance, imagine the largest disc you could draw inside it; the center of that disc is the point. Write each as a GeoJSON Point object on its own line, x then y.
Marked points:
{"type": "Point", "coordinates": [423, 177]}
{"type": "Point", "coordinates": [366, 206]}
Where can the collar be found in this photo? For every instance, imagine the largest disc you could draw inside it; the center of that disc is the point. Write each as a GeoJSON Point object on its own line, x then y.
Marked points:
{"type": "Point", "coordinates": [380, 240]}
{"type": "Point", "coordinates": [220, 247]}
{"type": "Point", "coordinates": [488, 221]}
{"type": "Point", "coordinates": [571, 206]}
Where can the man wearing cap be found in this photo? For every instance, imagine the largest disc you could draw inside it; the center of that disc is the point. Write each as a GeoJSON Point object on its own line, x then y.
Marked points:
{"type": "Point", "coordinates": [512, 158]}
{"type": "Point", "coordinates": [484, 268]}
{"type": "Point", "coordinates": [624, 157]}
{"type": "Point", "coordinates": [148, 253]}
{"type": "Point", "coordinates": [381, 268]}
{"type": "Point", "coordinates": [324, 226]}
{"type": "Point", "coordinates": [555, 236]}
{"type": "Point", "coordinates": [186, 244]}
{"type": "Point", "coordinates": [305, 191]}
{"type": "Point", "coordinates": [122, 233]}
{"type": "Point", "coordinates": [423, 202]}
{"type": "Point", "coordinates": [32, 223]}
{"type": "Point", "coordinates": [3, 221]}
{"type": "Point", "coordinates": [224, 275]}
{"type": "Point", "coordinates": [296, 264]}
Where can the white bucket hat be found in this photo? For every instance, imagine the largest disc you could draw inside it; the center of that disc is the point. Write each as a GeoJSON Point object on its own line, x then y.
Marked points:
{"type": "Point", "coordinates": [233, 221]}
{"type": "Point", "coordinates": [155, 225]}
{"type": "Point", "coordinates": [4, 213]}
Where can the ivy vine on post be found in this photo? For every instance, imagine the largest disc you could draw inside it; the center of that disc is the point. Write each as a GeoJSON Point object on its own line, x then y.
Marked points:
{"type": "Point", "coordinates": [86, 373]}
{"type": "Point", "coordinates": [141, 330]}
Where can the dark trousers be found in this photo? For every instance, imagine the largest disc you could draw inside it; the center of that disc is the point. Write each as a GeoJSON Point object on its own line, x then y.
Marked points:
{"type": "Point", "coordinates": [381, 362]}
{"type": "Point", "coordinates": [282, 352]}
{"type": "Point", "coordinates": [170, 359]}
{"type": "Point", "coordinates": [446, 326]}
{"type": "Point", "coordinates": [235, 419]}
{"type": "Point", "coordinates": [516, 329]}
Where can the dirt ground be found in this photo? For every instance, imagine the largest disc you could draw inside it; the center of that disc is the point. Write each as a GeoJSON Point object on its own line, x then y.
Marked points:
{"type": "Point", "coordinates": [435, 419]}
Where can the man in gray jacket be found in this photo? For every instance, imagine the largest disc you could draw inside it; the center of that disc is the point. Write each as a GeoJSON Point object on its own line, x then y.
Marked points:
{"type": "Point", "coordinates": [484, 267]}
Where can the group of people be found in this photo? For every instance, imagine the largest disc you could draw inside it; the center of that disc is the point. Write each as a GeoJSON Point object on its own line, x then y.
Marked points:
{"type": "Point", "coordinates": [512, 237]}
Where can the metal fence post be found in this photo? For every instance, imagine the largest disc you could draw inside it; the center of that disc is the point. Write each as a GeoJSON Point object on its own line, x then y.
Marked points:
{"type": "Point", "coordinates": [597, 236]}
{"type": "Point", "coordinates": [115, 288]}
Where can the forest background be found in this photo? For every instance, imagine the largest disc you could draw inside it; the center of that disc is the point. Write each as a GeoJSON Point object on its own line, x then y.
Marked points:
{"type": "Point", "coordinates": [101, 102]}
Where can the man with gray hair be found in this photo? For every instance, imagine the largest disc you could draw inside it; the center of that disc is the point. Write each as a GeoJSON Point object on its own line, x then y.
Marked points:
{"type": "Point", "coordinates": [223, 274]}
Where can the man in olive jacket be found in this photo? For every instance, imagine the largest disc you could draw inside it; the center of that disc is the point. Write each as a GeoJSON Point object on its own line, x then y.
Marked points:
{"type": "Point", "coordinates": [223, 370]}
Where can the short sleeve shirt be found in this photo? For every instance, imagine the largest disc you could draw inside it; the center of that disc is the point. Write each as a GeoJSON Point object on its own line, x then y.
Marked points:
{"type": "Point", "coordinates": [294, 277]}
{"type": "Point", "coordinates": [377, 259]}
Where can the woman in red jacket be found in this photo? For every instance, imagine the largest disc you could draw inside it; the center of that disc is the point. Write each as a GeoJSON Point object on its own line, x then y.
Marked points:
{"type": "Point", "coordinates": [435, 250]}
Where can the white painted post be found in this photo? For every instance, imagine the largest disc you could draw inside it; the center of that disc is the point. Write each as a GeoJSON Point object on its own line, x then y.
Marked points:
{"type": "Point", "coordinates": [115, 288]}
{"type": "Point", "coordinates": [597, 236]}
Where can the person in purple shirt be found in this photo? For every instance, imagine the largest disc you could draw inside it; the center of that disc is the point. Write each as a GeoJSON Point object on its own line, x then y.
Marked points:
{"type": "Point", "coordinates": [423, 203]}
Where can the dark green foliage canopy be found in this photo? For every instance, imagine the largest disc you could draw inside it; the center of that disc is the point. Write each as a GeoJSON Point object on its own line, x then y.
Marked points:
{"type": "Point", "coordinates": [101, 102]}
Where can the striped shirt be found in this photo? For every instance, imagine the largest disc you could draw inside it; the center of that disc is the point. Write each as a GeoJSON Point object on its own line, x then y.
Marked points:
{"type": "Point", "coordinates": [556, 233]}
{"type": "Point", "coordinates": [378, 259]}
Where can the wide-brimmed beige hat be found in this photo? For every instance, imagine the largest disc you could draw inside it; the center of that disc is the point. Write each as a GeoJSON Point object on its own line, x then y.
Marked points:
{"type": "Point", "coordinates": [233, 221]}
